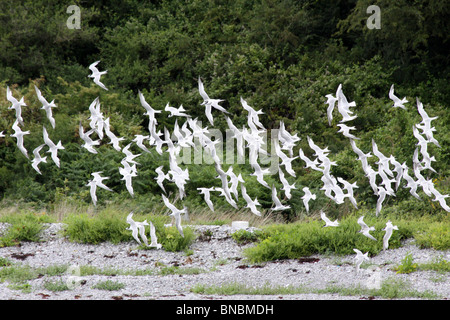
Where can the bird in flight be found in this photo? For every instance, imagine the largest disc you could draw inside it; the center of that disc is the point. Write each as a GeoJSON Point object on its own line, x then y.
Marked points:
{"type": "Point", "coordinates": [328, 222]}
{"type": "Point", "coordinates": [97, 74]}
{"type": "Point", "coordinates": [365, 229]}
{"type": "Point", "coordinates": [398, 103]}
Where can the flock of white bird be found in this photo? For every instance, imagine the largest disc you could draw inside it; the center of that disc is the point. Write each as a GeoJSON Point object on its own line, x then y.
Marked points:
{"type": "Point", "coordinates": [389, 171]}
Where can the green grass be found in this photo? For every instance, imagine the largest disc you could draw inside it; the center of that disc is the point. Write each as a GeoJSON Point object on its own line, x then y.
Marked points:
{"type": "Point", "coordinates": [56, 286]}
{"type": "Point", "coordinates": [164, 271]}
{"type": "Point", "coordinates": [25, 226]}
{"type": "Point", "coordinates": [21, 273]}
{"type": "Point", "coordinates": [436, 236]}
{"type": "Point", "coordinates": [109, 285]}
{"type": "Point", "coordinates": [111, 226]}
{"type": "Point", "coordinates": [243, 236]}
{"type": "Point", "coordinates": [236, 288]}
{"type": "Point", "coordinates": [439, 264]}
{"type": "Point", "coordinates": [390, 289]}
{"type": "Point", "coordinates": [291, 241]}
{"type": "Point", "coordinates": [407, 265]}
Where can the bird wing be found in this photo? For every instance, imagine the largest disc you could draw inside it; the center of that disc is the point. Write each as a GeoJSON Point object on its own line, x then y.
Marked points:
{"type": "Point", "coordinates": [201, 90]}
{"type": "Point", "coordinates": [93, 68]}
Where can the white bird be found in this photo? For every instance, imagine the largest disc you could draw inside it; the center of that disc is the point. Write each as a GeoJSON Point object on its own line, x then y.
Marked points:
{"type": "Point", "coordinates": [328, 222]}
{"type": "Point", "coordinates": [285, 160]}
{"type": "Point", "coordinates": [176, 213]}
{"type": "Point", "coordinates": [253, 115]}
{"type": "Point", "coordinates": [180, 177]}
{"type": "Point", "coordinates": [97, 74]}
{"type": "Point", "coordinates": [133, 227]}
{"type": "Point", "coordinates": [259, 173]}
{"type": "Point", "coordinates": [209, 103]}
{"type": "Point", "coordinates": [345, 130]}
{"type": "Point", "coordinates": [286, 186]}
{"type": "Point", "coordinates": [177, 216]}
{"type": "Point", "coordinates": [93, 189]}
{"type": "Point", "coordinates": [129, 156]}
{"type": "Point", "coordinates": [234, 181]}
{"type": "Point", "coordinates": [97, 182]}
{"type": "Point", "coordinates": [141, 228]}
{"type": "Point", "coordinates": [207, 196]}
{"type": "Point", "coordinates": [186, 140]}
{"type": "Point", "coordinates": [360, 257]}
{"type": "Point", "coordinates": [309, 163]}
{"type": "Point", "coordinates": [98, 179]}
{"type": "Point", "coordinates": [46, 106]}
{"type": "Point", "coordinates": [128, 172]}
{"type": "Point", "coordinates": [139, 140]}
{"type": "Point", "coordinates": [153, 237]}
{"type": "Point", "coordinates": [411, 183]}
{"type": "Point", "coordinates": [428, 132]}
{"type": "Point", "coordinates": [278, 205]}
{"type": "Point", "coordinates": [16, 104]}
{"type": "Point", "coordinates": [344, 106]}
{"type": "Point", "coordinates": [208, 113]}
{"type": "Point", "coordinates": [88, 142]}
{"type": "Point", "coordinates": [53, 148]}
{"type": "Point", "coordinates": [382, 193]}
{"type": "Point", "coordinates": [349, 187]}
{"type": "Point", "coordinates": [161, 177]}
{"type": "Point", "coordinates": [389, 229]}
{"type": "Point", "coordinates": [287, 140]}
{"type": "Point", "coordinates": [307, 197]}
{"type": "Point", "coordinates": [361, 155]}
{"type": "Point", "coordinates": [151, 113]}
{"type": "Point", "coordinates": [114, 140]}
{"type": "Point", "coordinates": [18, 134]}
{"type": "Point", "coordinates": [320, 153]}
{"type": "Point", "coordinates": [37, 158]}
{"type": "Point", "coordinates": [372, 175]}
{"type": "Point", "coordinates": [398, 169]}
{"type": "Point", "coordinates": [176, 112]}
{"type": "Point", "coordinates": [425, 124]}
{"type": "Point", "coordinates": [365, 229]}
{"type": "Point", "coordinates": [331, 101]}
{"type": "Point", "coordinates": [225, 192]}
{"type": "Point", "coordinates": [251, 204]}
{"type": "Point", "coordinates": [441, 198]}
{"type": "Point", "coordinates": [397, 102]}
{"type": "Point", "coordinates": [97, 122]}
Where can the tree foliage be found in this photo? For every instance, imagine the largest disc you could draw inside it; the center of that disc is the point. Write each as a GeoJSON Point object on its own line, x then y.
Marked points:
{"type": "Point", "coordinates": [282, 56]}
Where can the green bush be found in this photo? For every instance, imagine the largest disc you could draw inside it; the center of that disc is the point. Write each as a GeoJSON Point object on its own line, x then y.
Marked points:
{"type": "Point", "coordinates": [407, 265]}
{"type": "Point", "coordinates": [291, 241]}
{"type": "Point", "coordinates": [111, 226]}
{"type": "Point", "coordinates": [436, 236]}
{"type": "Point", "coordinates": [85, 229]}
{"type": "Point", "coordinates": [24, 227]}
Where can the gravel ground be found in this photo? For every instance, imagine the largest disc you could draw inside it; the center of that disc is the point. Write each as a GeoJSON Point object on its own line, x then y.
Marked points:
{"type": "Point", "coordinates": [221, 260]}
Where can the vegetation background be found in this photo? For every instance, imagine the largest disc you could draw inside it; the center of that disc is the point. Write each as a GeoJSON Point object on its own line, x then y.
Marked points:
{"type": "Point", "coordinates": [282, 56]}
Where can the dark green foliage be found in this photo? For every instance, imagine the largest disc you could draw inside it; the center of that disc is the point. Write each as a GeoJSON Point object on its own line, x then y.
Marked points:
{"type": "Point", "coordinates": [283, 57]}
